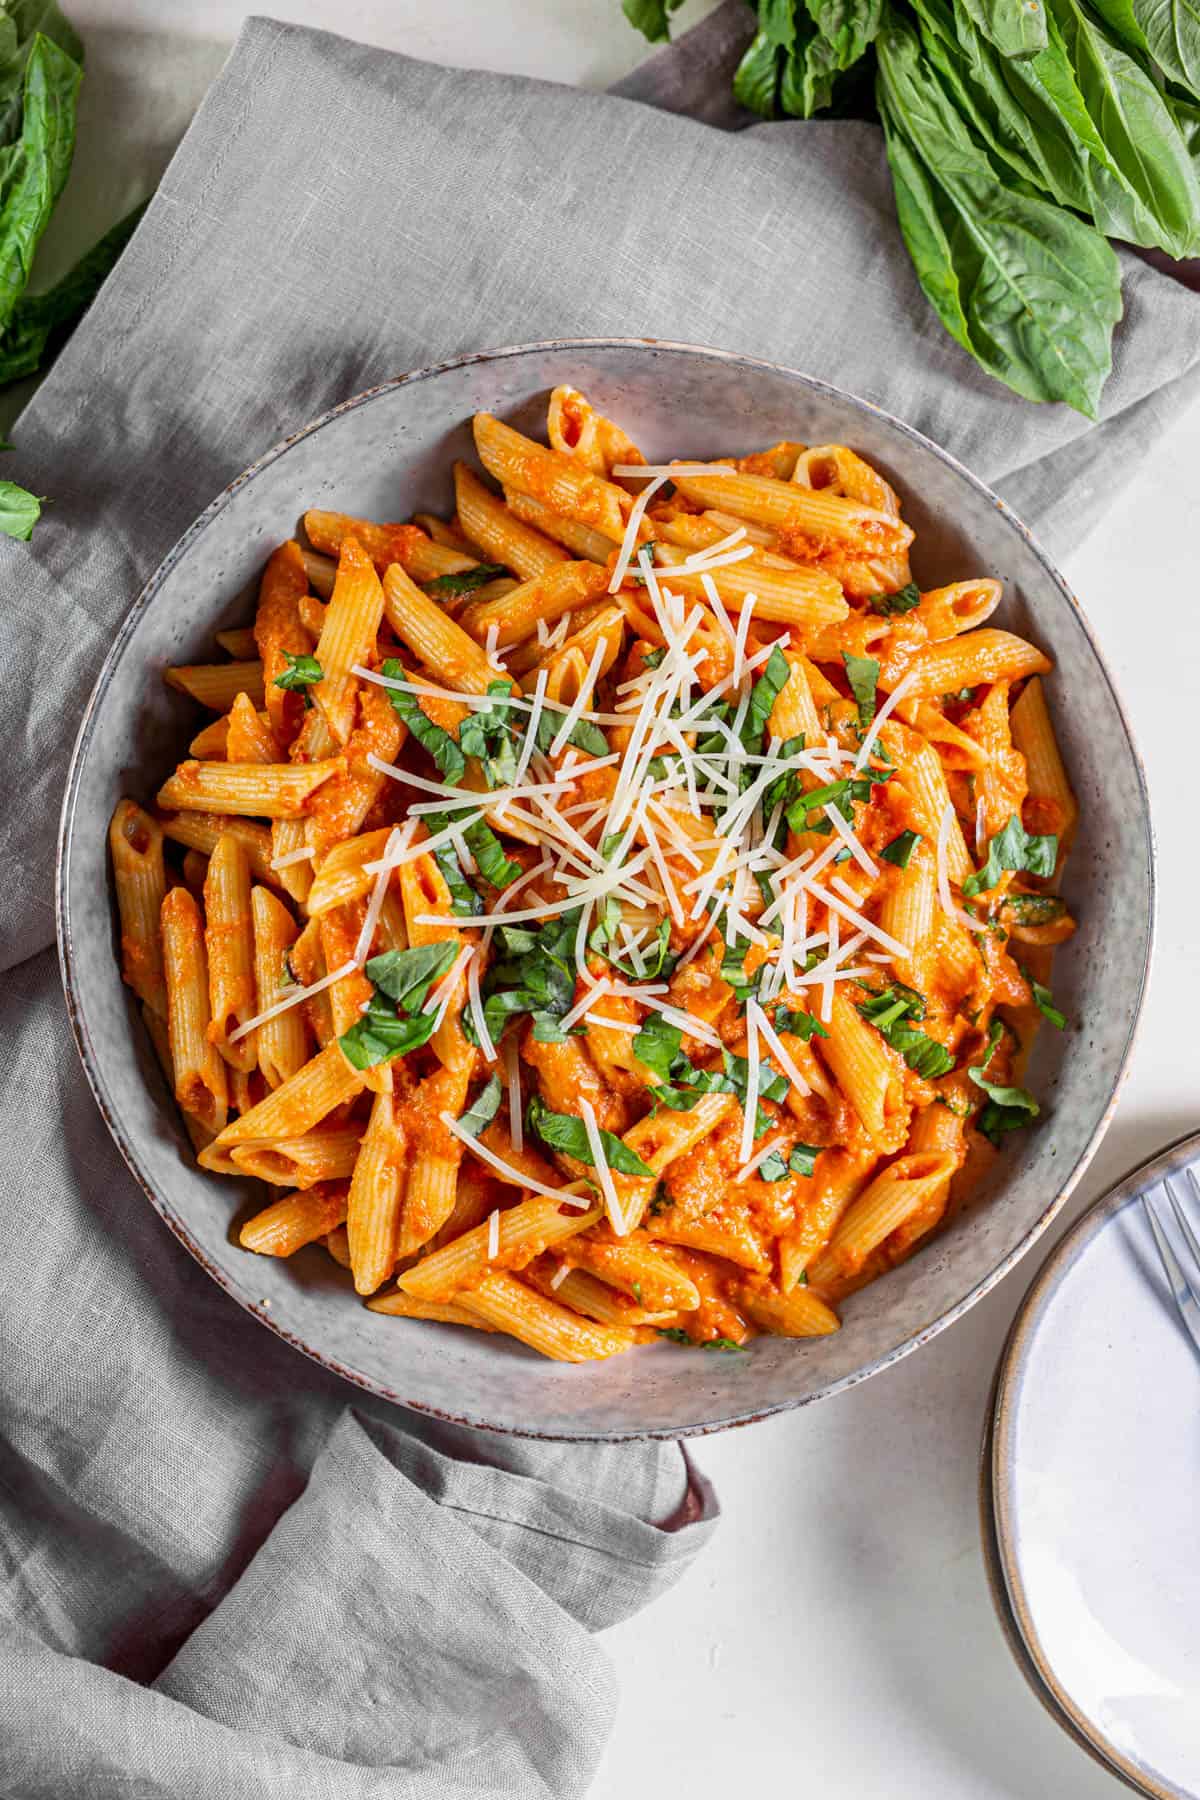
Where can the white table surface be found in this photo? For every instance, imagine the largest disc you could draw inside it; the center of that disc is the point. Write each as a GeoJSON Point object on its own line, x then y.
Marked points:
{"type": "Point", "coordinates": [838, 1635]}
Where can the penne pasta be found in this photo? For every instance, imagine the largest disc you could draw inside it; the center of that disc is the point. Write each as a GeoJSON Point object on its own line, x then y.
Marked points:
{"type": "Point", "coordinates": [614, 898]}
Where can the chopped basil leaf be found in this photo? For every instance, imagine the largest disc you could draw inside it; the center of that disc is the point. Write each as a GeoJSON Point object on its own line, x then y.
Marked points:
{"type": "Point", "coordinates": [484, 845]}
{"type": "Point", "coordinates": [902, 601]}
{"type": "Point", "coordinates": [1008, 1108]}
{"type": "Point", "coordinates": [899, 851]}
{"type": "Point", "coordinates": [840, 794]}
{"type": "Point", "coordinates": [772, 1168]}
{"type": "Point", "coordinates": [583, 734]}
{"type": "Point", "coordinates": [660, 1203]}
{"type": "Point", "coordinates": [399, 978]}
{"type": "Point", "coordinates": [489, 734]}
{"type": "Point", "coordinates": [890, 1013]}
{"type": "Point", "coordinates": [1032, 909]}
{"type": "Point", "coordinates": [1043, 999]}
{"type": "Point", "coordinates": [406, 976]}
{"type": "Point", "coordinates": [652, 658]}
{"type": "Point", "coordinates": [655, 959]}
{"type": "Point", "coordinates": [678, 1336]}
{"type": "Point", "coordinates": [465, 581]}
{"type": "Point", "coordinates": [380, 1034]}
{"type": "Point", "coordinates": [301, 672]}
{"type": "Point", "coordinates": [1013, 848]}
{"type": "Point", "coordinates": [763, 696]}
{"type": "Point", "coordinates": [656, 1045]}
{"type": "Point", "coordinates": [802, 1159]}
{"type": "Point", "coordinates": [563, 1131]}
{"type": "Point", "coordinates": [733, 971]}
{"type": "Point", "coordinates": [440, 745]}
{"type": "Point", "coordinates": [535, 977]}
{"type": "Point", "coordinates": [486, 1105]}
{"type": "Point", "coordinates": [799, 1024]}
{"type": "Point", "coordinates": [862, 672]}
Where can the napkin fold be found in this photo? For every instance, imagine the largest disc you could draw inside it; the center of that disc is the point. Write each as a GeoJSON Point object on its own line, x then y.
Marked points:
{"type": "Point", "coordinates": [226, 1572]}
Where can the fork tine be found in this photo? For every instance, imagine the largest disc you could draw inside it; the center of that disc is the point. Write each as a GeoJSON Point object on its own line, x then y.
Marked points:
{"type": "Point", "coordinates": [1182, 1220]}
{"type": "Point", "coordinates": [1181, 1289]}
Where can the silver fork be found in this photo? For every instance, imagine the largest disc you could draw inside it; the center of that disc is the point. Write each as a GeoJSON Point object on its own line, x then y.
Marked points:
{"type": "Point", "coordinates": [1184, 1284]}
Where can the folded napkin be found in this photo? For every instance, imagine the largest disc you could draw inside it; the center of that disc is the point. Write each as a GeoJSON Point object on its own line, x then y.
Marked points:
{"type": "Point", "coordinates": [226, 1572]}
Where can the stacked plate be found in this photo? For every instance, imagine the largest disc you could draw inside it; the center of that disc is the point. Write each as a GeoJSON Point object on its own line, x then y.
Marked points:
{"type": "Point", "coordinates": [1090, 1489]}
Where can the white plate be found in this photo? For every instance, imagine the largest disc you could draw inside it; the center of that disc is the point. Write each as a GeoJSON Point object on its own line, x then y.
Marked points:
{"type": "Point", "coordinates": [1096, 1489]}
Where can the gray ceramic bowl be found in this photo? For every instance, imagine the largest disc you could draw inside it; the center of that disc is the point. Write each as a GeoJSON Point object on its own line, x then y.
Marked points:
{"type": "Point", "coordinates": [388, 453]}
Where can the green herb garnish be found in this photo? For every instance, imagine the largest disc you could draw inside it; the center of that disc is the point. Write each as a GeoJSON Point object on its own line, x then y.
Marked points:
{"type": "Point", "coordinates": [891, 1013]}
{"type": "Point", "coordinates": [1013, 848]}
{"type": "Point", "coordinates": [465, 581]}
{"type": "Point", "coordinates": [302, 672]}
{"type": "Point", "coordinates": [862, 672]}
{"type": "Point", "coordinates": [900, 850]}
{"type": "Point", "coordinates": [563, 1131]}
{"type": "Point", "coordinates": [440, 745]}
{"type": "Point", "coordinates": [483, 1109]}
{"type": "Point", "coordinates": [902, 601]}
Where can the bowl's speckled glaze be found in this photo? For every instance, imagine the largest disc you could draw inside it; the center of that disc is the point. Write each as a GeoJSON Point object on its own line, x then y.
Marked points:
{"type": "Point", "coordinates": [387, 453]}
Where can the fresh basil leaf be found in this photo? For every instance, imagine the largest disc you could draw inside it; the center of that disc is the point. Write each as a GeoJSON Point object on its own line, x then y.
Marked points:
{"type": "Point", "coordinates": [563, 1131]}
{"type": "Point", "coordinates": [656, 1045]}
{"type": "Point", "coordinates": [19, 511]}
{"type": "Point", "coordinates": [891, 1013]}
{"type": "Point", "coordinates": [847, 26]}
{"type": "Point", "coordinates": [1167, 30]}
{"type": "Point", "coordinates": [584, 735]}
{"type": "Point", "coordinates": [1008, 1108]}
{"type": "Point", "coordinates": [489, 735]}
{"type": "Point", "coordinates": [483, 1108]}
{"type": "Point", "coordinates": [652, 658]}
{"type": "Point", "coordinates": [798, 1024]}
{"type": "Point", "coordinates": [1013, 848]}
{"type": "Point", "coordinates": [772, 1168]}
{"type": "Point", "coordinates": [465, 581]}
{"type": "Point", "coordinates": [802, 1159]}
{"type": "Point", "coordinates": [651, 17]}
{"type": "Point", "coordinates": [1032, 909]}
{"type": "Point", "coordinates": [1043, 999]}
{"type": "Point", "coordinates": [899, 851]}
{"type": "Point", "coordinates": [733, 971]}
{"type": "Point", "coordinates": [1004, 268]}
{"type": "Point", "coordinates": [37, 169]}
{"type": "Point", "coordinates": [440, 745]}
{"type": "Point", "coordinates": [380, 1035]}
{"type": "Point", "coordinates": [756, 78]}
{"type": "Point", "coordinates": [902, 601]}
{"type": "Point", "coordinates": [302, 671]}
{"type": "Point", "coordinates": [1016, 27]}
{"type": "Point", "coordinates": [763, 695]}
{"type": "Point", "coordinates": [1143, 181]}
{"type": "Point", "coordinates": [406, 976]}
{"type": "Point", "coordinates": [37, 317]}
{"type": "Point", "coordinates": [516, 940]}
{"type": "Point", "coordinates": [678, 1336]}
{"type": "Point", "coordinates": [490, 859]}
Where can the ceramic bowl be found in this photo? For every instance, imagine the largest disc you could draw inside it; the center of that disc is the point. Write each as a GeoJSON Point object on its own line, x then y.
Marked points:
{"type": "Point", "coordinates": [386, 454]}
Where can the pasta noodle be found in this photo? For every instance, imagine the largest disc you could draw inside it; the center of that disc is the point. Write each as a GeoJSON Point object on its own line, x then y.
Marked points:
{"type": "Point", "coordinates": [603, 914]}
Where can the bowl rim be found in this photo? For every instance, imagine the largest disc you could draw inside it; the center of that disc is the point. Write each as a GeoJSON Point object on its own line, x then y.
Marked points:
{"type": "Point", "coordinates": [91, 1062]}
{"type": "Point", "coordinates": [1009, 1590]}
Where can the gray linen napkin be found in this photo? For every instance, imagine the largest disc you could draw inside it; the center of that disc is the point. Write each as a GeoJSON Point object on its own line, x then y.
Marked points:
{"type": "Point", "coordinates": [225, 1573]}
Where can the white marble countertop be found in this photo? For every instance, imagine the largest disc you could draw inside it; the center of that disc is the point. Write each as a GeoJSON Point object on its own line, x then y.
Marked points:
{"type": "Point", "coordinates": [838, 1635]}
